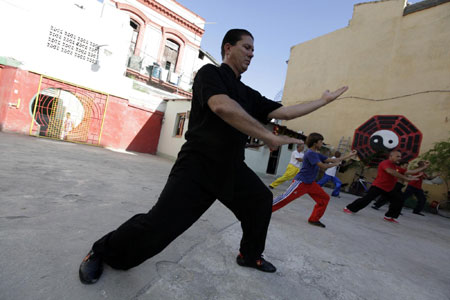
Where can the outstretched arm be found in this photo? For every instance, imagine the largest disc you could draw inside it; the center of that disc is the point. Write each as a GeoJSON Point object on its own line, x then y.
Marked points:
{"type": "Point", "coordinates": [431, 177]}
{"type": "Point", "coordinates": [418, 170]}
{"type": "Point", "coordinates": [232, 113]}
{"type": "Point", "coordinates": [298, 110]}
{"type": "Point", "coordinates": [325, 166]}
{"type": "Point", "coordinates": [400, 176]}
{"type": "Point", "coordinates": [338, 160]}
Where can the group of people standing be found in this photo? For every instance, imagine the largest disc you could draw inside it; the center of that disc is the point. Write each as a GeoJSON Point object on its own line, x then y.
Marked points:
{"type": "Point", "coordinates": [387, 186]}
{"type": "Point", "coordinates": [414, 187]}
{"type": "Point", "coordinates": [294, 167]}
{"type": "Point", "coordinates": [224, 113]}
{"type": "Point", "coordinates": [304, 182]}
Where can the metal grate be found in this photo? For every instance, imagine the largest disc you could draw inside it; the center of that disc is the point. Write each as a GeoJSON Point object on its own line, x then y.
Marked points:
{"type": "Point", "coordinates": [67, 112]}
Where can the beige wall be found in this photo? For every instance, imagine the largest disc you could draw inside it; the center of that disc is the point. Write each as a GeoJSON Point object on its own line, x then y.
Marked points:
{"type": "Point", "coordinates": [380, 54]}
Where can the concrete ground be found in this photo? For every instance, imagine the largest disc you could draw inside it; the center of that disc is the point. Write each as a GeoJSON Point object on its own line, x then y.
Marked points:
{"type": "Point", "coordinates": [57, 198]}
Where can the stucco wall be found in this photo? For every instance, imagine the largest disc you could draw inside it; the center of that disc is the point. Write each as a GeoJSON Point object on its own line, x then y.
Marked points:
{"type": "Point", "coordinates": [258, 159]}
{"type": "Point", "coordinates": [16, 84]}
{"type": "Point", "coordinates": [381, 54]}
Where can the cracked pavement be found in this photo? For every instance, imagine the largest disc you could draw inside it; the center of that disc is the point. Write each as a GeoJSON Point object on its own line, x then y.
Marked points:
{"type": "Point", "coordinates": [57, 198]}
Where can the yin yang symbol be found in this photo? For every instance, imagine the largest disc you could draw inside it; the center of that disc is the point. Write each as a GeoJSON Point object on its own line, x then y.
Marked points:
{"type": "Point", "coordinates": [383, 140]}
{"type": "Point", "coordinates": [381, 134]}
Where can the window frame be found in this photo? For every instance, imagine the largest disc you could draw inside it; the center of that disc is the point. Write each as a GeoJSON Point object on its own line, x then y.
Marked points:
{"type": "Point", "coordinates": [164, 58]}
{"type": "Point", "coordinates": [138, 31]}
{"type": "Point", "coordinates": [180, 120]}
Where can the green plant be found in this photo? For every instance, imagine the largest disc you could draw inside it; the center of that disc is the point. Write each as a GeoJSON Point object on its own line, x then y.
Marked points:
{"type": "Point", "coordinates": [439, 158]}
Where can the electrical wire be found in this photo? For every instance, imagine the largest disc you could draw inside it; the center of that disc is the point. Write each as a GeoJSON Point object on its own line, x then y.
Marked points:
{"type": "Point", "coordinates": [396, 97]}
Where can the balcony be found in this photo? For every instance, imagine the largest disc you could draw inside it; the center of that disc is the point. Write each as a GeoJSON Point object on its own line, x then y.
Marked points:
{"type": "Point", "coordinates": [144, 67]}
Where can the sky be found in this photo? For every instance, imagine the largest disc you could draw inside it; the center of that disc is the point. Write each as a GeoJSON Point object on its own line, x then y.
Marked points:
{"type": "Point", "coordinates": [276, 27]}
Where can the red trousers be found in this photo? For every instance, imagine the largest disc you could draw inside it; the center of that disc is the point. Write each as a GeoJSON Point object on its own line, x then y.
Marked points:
{"type": "Point", "coordinates": [298, 189]}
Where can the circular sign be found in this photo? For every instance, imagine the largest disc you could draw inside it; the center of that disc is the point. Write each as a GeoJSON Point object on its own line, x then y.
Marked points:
{"type": "Point", "coordinates": [381, 134]}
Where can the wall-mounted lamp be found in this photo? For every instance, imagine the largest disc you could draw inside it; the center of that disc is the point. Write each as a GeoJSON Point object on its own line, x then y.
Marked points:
{"type": "Point", "coordinates": [96, 66]}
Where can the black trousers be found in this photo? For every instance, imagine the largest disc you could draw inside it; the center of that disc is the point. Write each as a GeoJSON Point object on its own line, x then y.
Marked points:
{"type": "Point", "coordinates": [420, 195]}
{"type": "Point", "coordinates": [183, 200]}
{"type": "Point", "coordinates": [394, 197]}
{"type": "Point", "coordinates": [384, 199]}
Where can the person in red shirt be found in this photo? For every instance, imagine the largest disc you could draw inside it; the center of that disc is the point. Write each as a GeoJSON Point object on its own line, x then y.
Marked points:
{"type": "Point", "coordinates": [399, 185]}
{"type": "Point", "coordinates": [384, 185]}
{"type": "Point", "coordinates": [415, 188]}
{"type": "Point", "coordinates": [402, 169]}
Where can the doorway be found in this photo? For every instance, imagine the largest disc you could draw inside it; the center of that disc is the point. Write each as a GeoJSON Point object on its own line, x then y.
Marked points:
{"type": "Point", "coordinates": [272, 165]}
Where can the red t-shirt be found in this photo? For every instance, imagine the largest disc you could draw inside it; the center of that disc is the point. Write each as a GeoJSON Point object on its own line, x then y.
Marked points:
{"type": "Point", "coordinates": [384, 180]}
{"type": "Point", "coordinates": [418, 183]}
{"type": "Point", "coordinates": [400, 170]}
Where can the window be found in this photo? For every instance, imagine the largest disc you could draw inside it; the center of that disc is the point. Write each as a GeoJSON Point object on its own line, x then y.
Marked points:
{"type": "Point", "coordinates": [170, 56]}
{"type": "Point", "coordinates": [291, 146]}
{"type": "Point", "coordinates": [134, 37]}
{"type": "Point", "coordinates": [179, 124]}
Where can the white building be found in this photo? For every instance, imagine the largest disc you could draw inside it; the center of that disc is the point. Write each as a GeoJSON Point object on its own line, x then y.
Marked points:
{"type": "Point", "coordinates": [95, 43]}
{"type": "Point", "coordinates": [141, 51]}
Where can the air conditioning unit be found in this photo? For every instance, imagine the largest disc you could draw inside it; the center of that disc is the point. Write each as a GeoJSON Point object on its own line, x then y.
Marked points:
{"type": "Point", "coordinates": [173, 78]}
{"type": "Point", "coordinates": [164, 74]}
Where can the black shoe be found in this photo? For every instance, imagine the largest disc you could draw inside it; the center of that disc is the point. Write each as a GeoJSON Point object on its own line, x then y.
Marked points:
{"type": "Point", "coordinates": [418, 213]}
{"type": "Point", "coordinates": [91, 268]}
{"type": "Point", "coordinates": [260, 264]}
{"type": "Point", "coordinates": [375, 207]}
{"type": "Point", "coordinates": [271, 187]}
{"type": "Point", "coordinates": [317, 223]}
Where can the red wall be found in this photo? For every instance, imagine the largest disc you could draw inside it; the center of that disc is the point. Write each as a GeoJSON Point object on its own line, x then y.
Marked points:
{"type": "Point", "coordinates": [3, 95]}
{"type": "Point", "coordinates": [16, 84]}
{"type": "Point", "coordinates": [143, 129]}
{"type": "Point", "coordinates": [112, 125]}
{"type": "Point", "coordinates": [125, 127]}
{"type": "Point", "coordinates": [130, 127]}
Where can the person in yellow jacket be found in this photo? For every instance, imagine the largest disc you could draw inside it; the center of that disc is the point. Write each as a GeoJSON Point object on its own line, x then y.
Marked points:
{"type": "Point", "coordinates": [292, 168]}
